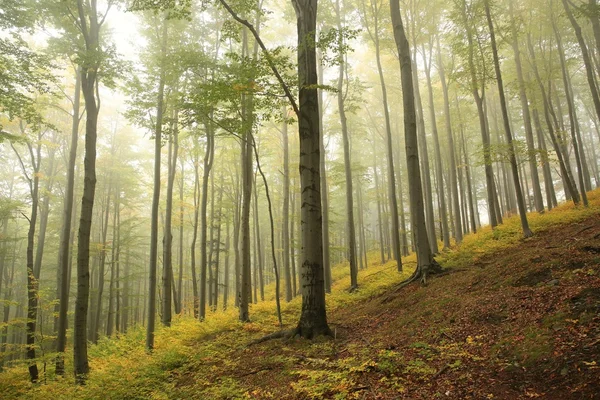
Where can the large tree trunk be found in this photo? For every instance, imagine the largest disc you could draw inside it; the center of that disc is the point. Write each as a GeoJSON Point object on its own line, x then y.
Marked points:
{"type": "Point", "coordinates": [509, 140]}
{"type": "Point", "coordinates": [313, 318]}
{"type": "Point", "coordinates": [425, 261]}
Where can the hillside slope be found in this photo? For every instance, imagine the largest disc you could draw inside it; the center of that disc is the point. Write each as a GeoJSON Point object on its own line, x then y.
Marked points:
{"type": "Point", "coordinates": [511, 318]}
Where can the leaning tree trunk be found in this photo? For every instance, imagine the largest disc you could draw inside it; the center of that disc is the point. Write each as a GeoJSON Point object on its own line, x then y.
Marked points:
{"type": "Point", "coordinates": [589, 68]}
{"type": "Point", "coordinates": [572, 117]}
{"type": "Point", "coordinates": [531, 156]}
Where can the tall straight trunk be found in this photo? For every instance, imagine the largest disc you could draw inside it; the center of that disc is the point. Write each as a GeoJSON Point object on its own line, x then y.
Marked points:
{"type": "Point", "coordinates": [589, 68]}
{"type": "Point", "coordinates": [564, 167]}
{"type": "Point", "coordinates": [379, 214]}
{"type": "Point", "coordinates": [259, 254]}
{"type": "Point", "coordinates": [236, 236]}
{"type": "Point", "coordinates": [425, 261]}
{"type": "Point", "coordinates": [211, 243]}
{"type": "Point", "coordinates": [293, 243]}
{"type": "Point", "coordinates": [470, 193]}
{"type": "Point", "coordinates": [507, 130]}
{"type": "Point", "coordinates": [90, 28]}
{"type": "Point", "coordinates": [424, 161]}
{"type": "Point", "coordinates": [102, 266]}
{"type": "Point", "coordinates": [195, 299]}
{"type": "Point", "coordinates": [44, 213]}
{"type": "Point", "coordinates": [458, 226]}
{"type": "Point", "coordinates": [226, 269]}
{"type": "Point", "coordinates": [289, 293]}
{"type": "Point", "coordinates": [436, 149]}
{"type": "Point", "coordinates": [179, 298]}
{"type": "Point", "coordinates": [313, 317]}
{"type": "Point", "coordinates": [535, 179]}
{"type": "Point", "coordinates": [572, 117]}
{"type": "Point", "coordinates": [33, 181]}
{"type": "Point", "coordinates": [547, 173]}
{"type": "Point", "coordinates": [393, 202]}
{"type": "Point", "coordinates": [324, 197]}
{"type": "Point", "coordinates": [208, 162]}
{"type": "Point", "coordinates": [218, 243]}
{"type": "Point", "coordinates": [361, 225]}
{"type": "Point", "coordinates": [167, 277]}
{"type": "Point", "coordinates": [156, 194]}
{"type": "Point", "coordinates": [475, 84]}
{"type": "Point", "coordinates": [112, 294]}
{"type": "Point", "coordinates": [64, 251]}
{"type": "Point", "coordinates": [126, 293]}
{"type": "Point", "coordinates": [350, 229]}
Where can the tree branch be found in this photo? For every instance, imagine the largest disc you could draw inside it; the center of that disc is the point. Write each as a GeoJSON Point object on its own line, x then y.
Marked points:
{"type": "Point", "coordinates": [248, 25]}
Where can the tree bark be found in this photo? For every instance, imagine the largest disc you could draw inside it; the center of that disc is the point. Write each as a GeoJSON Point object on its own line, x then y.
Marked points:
{"type": "Point", "coordinates": [425, 261]}
{"type": "Point", "coordinates": [313, 318]}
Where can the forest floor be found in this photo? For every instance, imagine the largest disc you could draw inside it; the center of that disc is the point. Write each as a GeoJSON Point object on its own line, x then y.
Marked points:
{"type": "Point", "coordinates": [511, 318]}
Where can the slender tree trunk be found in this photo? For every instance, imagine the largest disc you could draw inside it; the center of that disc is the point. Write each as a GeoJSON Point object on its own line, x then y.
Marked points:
{"type": "Point", "coordinates": [289, 293]}
{"type": "Point", "coordinates": [208, 162]}
{"type": "Point", "coordinates": [436, 149]}
{"type": "Point", "coordinates": [424, 161]}
{"type": "Point", "coordinates": [112, 295]}
{"type": "Point", "coordinates": [564, 167]}
{"type": "Point", "coordinates": [156, 195]}
{"type": "Point", "coordinates": [535, 179]}
{"type": "Point", "coordinates": [179, 298]}
{"type": "Point", "coordinates": [509, 140]}
{"type": "Point", "coordinates": [572, 117]}
{"type": "Point", "coordinates": [65, 236]}
{"type": "Point", "coordinates": [589, 68]}
{"type": "Point", "coordinates": [195, 236]}
{"type": "Point", "coordinates": [324, 197]}
{"type": "Point", "coordinates": [259, 263]}
{"type": "Point", "coordinates": [458, 227]}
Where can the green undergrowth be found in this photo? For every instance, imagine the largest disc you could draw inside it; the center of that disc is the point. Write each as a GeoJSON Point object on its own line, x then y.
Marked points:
{"type": "Point", "coordinates": [488, 241]}
{"type": "Point", "coordinates": [206, 360]}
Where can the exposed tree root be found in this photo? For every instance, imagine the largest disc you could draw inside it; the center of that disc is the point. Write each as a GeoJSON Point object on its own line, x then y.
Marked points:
{"type": "Point", "coordinates": [282, 334]}
{"type": "Point", "coordinates": [419, 275]}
